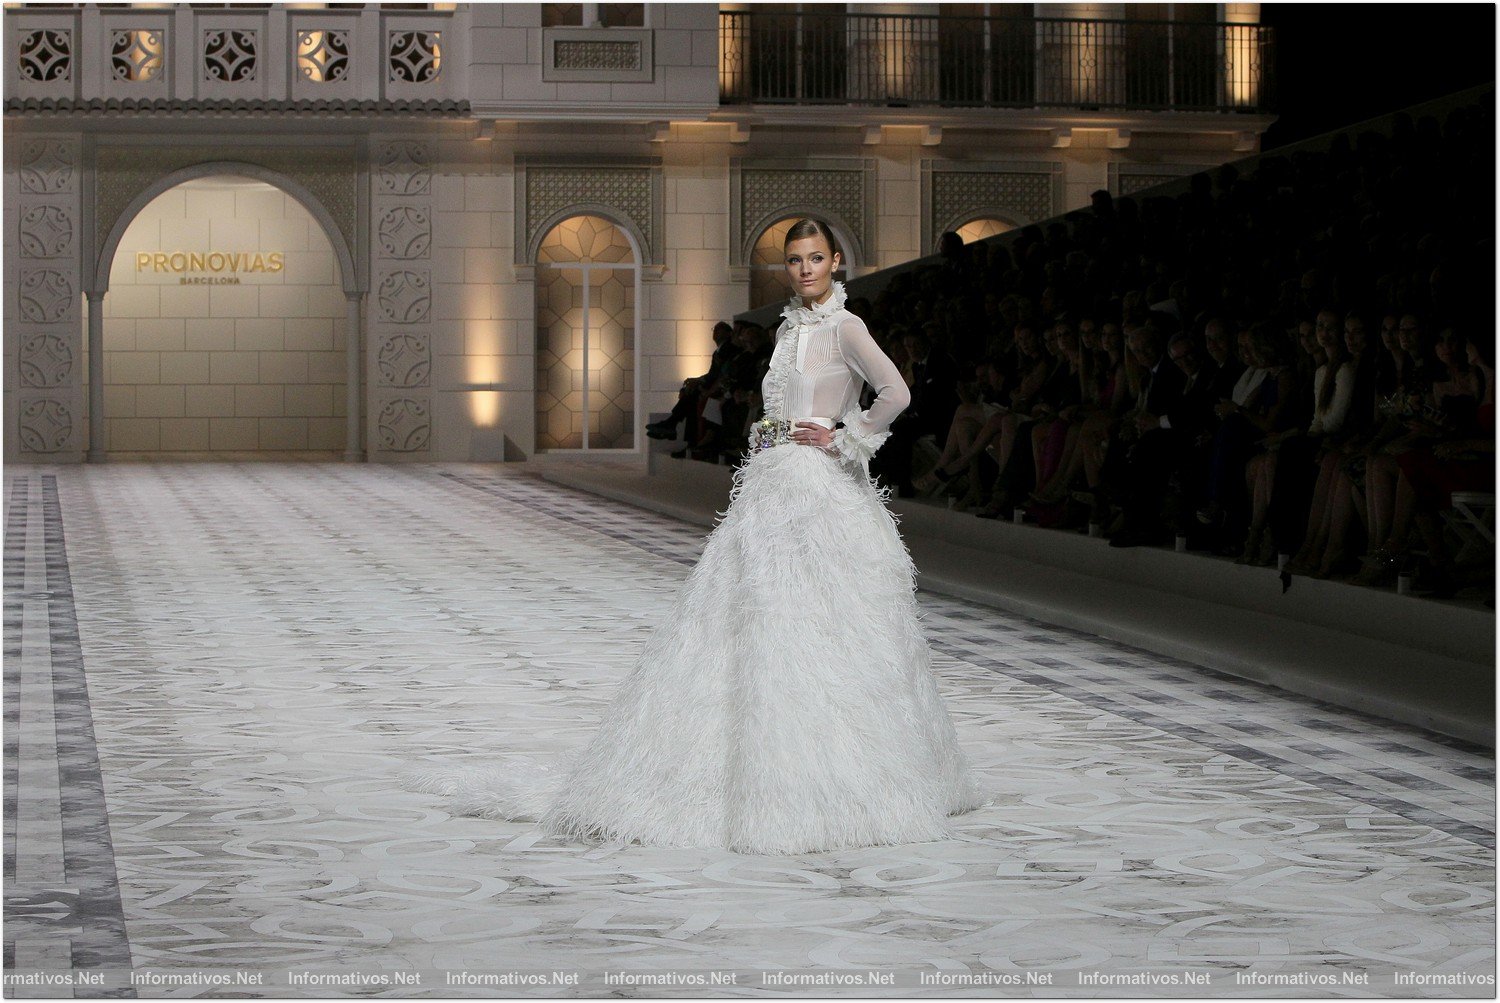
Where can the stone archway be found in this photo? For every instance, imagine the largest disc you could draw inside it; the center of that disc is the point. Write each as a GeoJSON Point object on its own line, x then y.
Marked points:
{"type": "Point", "coordinates": [350, 281]}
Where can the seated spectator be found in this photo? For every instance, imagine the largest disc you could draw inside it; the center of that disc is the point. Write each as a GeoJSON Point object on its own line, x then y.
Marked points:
{"type": "Point", "coordinates": [698, 390]}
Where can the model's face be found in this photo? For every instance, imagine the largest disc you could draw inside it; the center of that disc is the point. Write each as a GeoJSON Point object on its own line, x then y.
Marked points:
{"type": "Point", "coordinates": [810, 264]}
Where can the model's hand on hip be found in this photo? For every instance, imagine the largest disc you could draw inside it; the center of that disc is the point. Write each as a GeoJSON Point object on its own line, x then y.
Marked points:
{"type": "Point", "coordinates": [810, 433]}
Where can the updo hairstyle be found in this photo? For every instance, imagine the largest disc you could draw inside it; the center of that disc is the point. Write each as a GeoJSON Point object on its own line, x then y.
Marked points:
{"type": "Point", "coordinates": [805, 228]}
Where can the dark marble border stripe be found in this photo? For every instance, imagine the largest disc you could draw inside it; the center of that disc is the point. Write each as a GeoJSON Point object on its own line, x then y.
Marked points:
{"type": "Point", "coordinates": [1093, 698]}
{"type": "Point", "coordinates": [1220, 743]}
{"type": "Point", "coordinates": [88, 849]}
{"type": "Point", "coordinates": [15, 582]}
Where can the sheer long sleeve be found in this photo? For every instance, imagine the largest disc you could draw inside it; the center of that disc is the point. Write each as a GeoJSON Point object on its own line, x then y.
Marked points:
{"type": "Point", "coordinates": [864, 431]}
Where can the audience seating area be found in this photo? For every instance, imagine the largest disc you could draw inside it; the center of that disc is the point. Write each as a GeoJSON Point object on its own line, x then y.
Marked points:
{"type": "Point", "coordinates": [1287, 363]}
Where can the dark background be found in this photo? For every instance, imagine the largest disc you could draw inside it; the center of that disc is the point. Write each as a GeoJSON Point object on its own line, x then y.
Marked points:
{"type": "Point", "coordinates": [1337, 64]}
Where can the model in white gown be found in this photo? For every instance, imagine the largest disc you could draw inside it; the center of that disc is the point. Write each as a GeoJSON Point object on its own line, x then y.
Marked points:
{"type": "Point", "coordinates": [787, 704]}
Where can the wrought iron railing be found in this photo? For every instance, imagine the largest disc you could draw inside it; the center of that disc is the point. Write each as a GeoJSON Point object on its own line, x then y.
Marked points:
{"type": "Point", "coordinates": [816, 57]}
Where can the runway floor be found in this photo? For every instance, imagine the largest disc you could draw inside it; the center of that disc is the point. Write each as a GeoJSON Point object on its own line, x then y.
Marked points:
{"type": "Point", "coordinates": [215, 675]}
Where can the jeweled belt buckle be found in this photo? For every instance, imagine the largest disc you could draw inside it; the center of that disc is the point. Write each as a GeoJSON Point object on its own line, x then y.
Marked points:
{"type": "Point", "coordinates": [771, 432]}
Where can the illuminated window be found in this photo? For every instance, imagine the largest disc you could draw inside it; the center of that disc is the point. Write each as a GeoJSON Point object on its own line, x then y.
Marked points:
{"type": "Point", "coordinates": [585, 337]}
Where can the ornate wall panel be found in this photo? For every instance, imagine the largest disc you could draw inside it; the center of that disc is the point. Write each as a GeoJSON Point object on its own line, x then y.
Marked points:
{"type": "Point", "coordinates": [956, 192]}
{"type": "Point", "coordinates": [400, 310]}
{"type": "Point", "coordinates": [598, 55]}
{"type": "Point", "coordinates": [839, 190]}
{"type": "Point", "coordinates": [44, 292]}
{"type": "Point", "coordinates": [630, 195]}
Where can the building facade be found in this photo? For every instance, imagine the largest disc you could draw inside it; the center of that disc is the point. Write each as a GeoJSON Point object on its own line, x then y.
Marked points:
{"type": "Point", "coordinates": [477, 232]}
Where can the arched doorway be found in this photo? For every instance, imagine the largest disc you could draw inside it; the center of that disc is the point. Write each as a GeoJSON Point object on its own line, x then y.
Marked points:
{"type": "Point", "coordinates": [768, 280]}
{"type": "Point", "coordinates": [587, 279]}
{"type": "Point", "coordinates": [224, 327]}
{"type": "Point", "coordinates": [979, 229]}
{"type": "Point", "coordinates": [254, 296]}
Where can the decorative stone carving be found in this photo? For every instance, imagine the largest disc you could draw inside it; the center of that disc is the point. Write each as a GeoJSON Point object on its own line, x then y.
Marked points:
{"type": "Point", "coordinates": [45, 295]}
{"type": "Point", "coordinates": [45, 361]}
{"type": "Point", "coordinates": [405, 297]}
{"type": "Point", "coordinates": [958, 195]}
{"type": "Point", "coordinates": [766, 192]}
{"type": "Point", "coordinates": [403, 168]}
{"type": "Point", "coordinates": [404, 361]}
{"type": "Point", "coordinates": [229, 54]}
{"type": "Point", "coordinates": [47, 55]}
{"type": "Point", "coordinates": [403, 425]}
{"type": "Point", "coordinates": [626, 190]}
{"type": "Point", "coordinates": [47, 166]}
{"type": "Point", "coordinates": [413, 57]}
{"type": "Point", "coordinates": [323, 55]}
{"type": "Point", "coordinates": [137, 54]}
{"type": "Point", "coordinates": [46, 426]}
{"type": "Point", "coordinates": [582, 55]}
{"type": "Point", "coordinates": [45, 231]}
{"type": "Point", "coordinates": [404, 232]}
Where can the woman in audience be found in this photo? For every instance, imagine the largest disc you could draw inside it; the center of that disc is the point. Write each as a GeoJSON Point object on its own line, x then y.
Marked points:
{"type": "Point", "coordinates": [1440, 410]}
{"type": "Point", "coordinates": [1404, 428]}
{"type": "Point", "coordinates": [999, 431]}
{"type": "Point", "coordinates": [1302, 455]}
{"type": "Point", "coordinates": [1100, 374]}
{"type": "Point", "coordinates": [1272, 352]}
{"type": "Point", "coordinates": [1331, 515]}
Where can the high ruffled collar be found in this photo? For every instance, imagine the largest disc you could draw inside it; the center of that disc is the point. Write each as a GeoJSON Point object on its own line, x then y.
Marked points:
{"type": "Point", "coordinates": [798, 315]}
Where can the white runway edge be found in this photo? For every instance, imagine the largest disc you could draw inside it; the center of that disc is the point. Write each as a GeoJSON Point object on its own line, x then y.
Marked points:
{"type": "Point", "coordinates": [266, 647]}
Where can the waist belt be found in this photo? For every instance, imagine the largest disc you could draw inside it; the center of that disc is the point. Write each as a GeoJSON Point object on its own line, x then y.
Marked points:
{"type": "Point", "coordinates": [768, 432]}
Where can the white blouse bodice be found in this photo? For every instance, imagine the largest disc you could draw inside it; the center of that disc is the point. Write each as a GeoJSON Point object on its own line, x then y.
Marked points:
{"type": "Point", "coordinates": [824, 356]}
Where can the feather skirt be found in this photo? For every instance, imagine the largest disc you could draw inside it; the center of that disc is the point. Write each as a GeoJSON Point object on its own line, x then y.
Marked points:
{"type": "Point", "coordinates": [787, 704]}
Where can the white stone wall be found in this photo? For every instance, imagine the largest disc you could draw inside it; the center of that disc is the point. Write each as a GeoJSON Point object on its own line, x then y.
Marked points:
{"type": "Point", "coordinates": [258, 366]}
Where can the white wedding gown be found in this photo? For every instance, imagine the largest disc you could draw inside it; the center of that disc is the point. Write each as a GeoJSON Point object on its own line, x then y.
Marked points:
{"type": "Point", "coordinates": [787, 704]}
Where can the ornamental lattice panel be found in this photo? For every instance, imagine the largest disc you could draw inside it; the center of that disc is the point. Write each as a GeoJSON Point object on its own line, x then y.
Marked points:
{"type": "Point", "coordinates": [959, 196]}
{"type": "Point", "coordinates": [626, 191]}
{"type": "Point", "coordinates": [766, 194]}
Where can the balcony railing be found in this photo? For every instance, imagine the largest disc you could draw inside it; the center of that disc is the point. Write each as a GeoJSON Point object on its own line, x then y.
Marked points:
{"type": "Point", "coordinates": [994, 62]}
{"type": "Point", "coordinates": [134, 55]}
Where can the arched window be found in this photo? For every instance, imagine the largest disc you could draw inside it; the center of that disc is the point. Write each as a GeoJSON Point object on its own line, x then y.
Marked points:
{"type": "Point", "coordinates": [768, 281]}
{"type": "Point", "coordinates": [586, 280]}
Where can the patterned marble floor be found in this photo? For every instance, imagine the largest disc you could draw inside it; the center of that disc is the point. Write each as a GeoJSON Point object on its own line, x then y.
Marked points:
{"type": "Point", "coordinates": [215, 674]}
